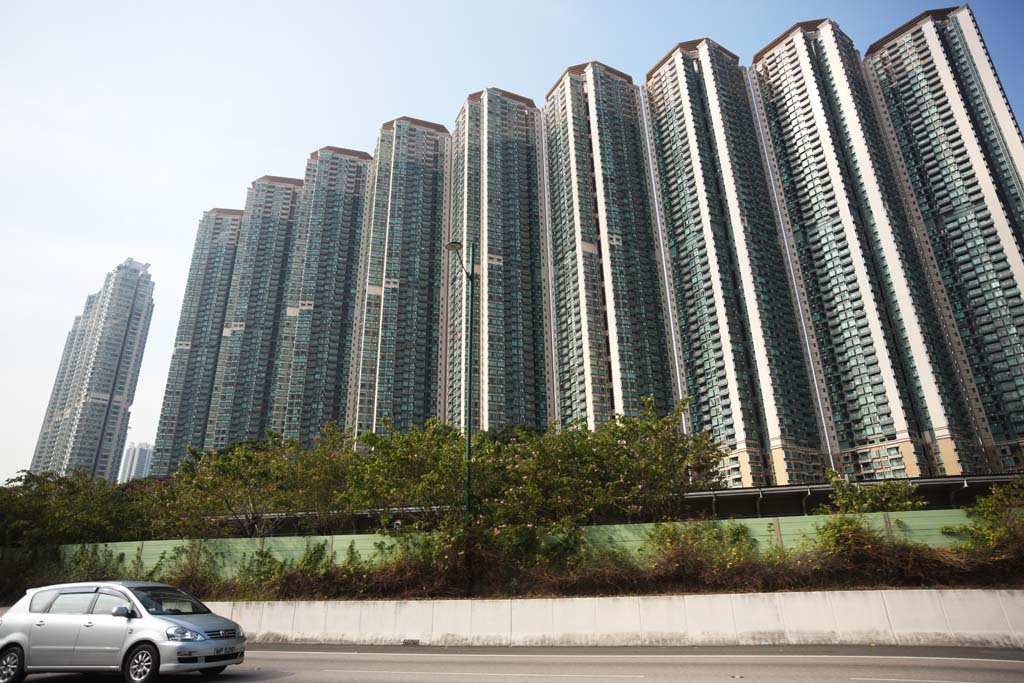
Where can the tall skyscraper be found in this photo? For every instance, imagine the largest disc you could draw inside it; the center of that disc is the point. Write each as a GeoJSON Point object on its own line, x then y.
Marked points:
{"type": "Point", "coordinates": [186, 407]}
{"type": "Point", "coordinates": [497, 205]}
{"type": "Point", "coordinates": [962, 163]}
{"type": "Point", "coordinates": [136, 462]}
{"type": "Point", "coordinates": [241, 402]}
{"type": "Point", "coordinates": [738, 342]}
{"type": "Point", "coordinates": [312, 370]}
{"type": "Point", "coordinates": [888, 387]}
{"type": "Point", "coordinates": [395, 354]}
{"type": "Point", "coordinates": [87, 418]}
{"type": "Point", "coordinates": [609, 319]}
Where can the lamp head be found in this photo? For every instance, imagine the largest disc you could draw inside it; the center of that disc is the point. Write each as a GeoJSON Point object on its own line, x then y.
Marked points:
{"type": "Point", "coordinates": [454, 246]}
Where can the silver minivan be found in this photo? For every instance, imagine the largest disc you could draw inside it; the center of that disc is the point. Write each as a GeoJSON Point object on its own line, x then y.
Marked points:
{"type": "Point", "coordinates": [136, 628]}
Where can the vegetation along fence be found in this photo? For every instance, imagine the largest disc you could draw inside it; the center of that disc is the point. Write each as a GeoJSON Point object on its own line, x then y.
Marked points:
{"type": "Point", "coordinates": [922, 526]}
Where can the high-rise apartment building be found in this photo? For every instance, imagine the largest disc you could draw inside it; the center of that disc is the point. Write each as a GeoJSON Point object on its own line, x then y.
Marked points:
{"type": "Point", "coordinates": [888, 387]}
{"type": "Point", "coordinates": [738, 341]}
{"type": "Point", "coordinates": [497, 205]}
{"type": "Point", "coordinates": [315, 341]}
{"type": "Point", "coordinates": [241, 402]}
{"type": "Point", "coordinates": [136, 462]}
{"type": "Point", "coordinates": [961, 159]}
{"type": "Point", "coordinates": [609, 320]}
{"type": "Point", "coordinates": [394, 367]}
{"type": "Point", "coordinates": [87, 418]}
{"type": "Point", "coordinates": [186, 406]}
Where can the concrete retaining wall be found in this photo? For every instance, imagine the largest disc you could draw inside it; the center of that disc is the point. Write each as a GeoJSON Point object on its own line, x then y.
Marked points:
{"type": "Point", "coordinates": [986, 618]}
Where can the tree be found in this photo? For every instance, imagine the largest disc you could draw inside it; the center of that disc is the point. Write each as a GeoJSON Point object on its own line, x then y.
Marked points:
{"type": "Point", "coordinates": [244, 485]}
{"type": "Point", "coordinates": [48, 509]}
{"type": "Point", "coordinates": [886, 496]}
{"type": "Point", "coordinates": [319, 480]}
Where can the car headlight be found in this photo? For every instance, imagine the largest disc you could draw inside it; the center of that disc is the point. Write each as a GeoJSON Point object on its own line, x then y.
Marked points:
{"type": "Point", "coordinates": [241, 631]}
{"type": "Point", "coordinates": [183, 634]}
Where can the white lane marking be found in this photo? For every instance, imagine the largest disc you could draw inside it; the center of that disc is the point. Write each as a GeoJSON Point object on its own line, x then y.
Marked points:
{"type": "Point", "coordinates": [477, 673]}
{"type": "Point", "coordinates": [305, 653]}
{"type": "Point", "coordinates": [907, 680]}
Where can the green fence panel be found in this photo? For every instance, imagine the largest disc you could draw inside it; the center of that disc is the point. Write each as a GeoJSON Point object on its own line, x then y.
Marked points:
{"type": "Point", "coordinates": [925, 526]}
{"type": "Point", "coordinates": [232, 552]}
{"type": "Point", "coordinates": [152, 551]}
{"type": "Point", "coordinates": [290, 549]}
{"type": "Point", "coordinates": [363, 544]}
{"type": "Point", "coordinates": [922, 526]}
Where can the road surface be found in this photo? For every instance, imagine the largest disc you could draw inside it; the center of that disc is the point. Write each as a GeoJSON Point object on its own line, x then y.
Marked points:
{"type": "Point", "coordinates": [349, 664]}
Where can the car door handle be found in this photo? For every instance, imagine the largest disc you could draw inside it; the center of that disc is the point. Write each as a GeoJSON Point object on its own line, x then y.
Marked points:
{"type": "Point", "coordinates": [40, 623]}
{"type": "Point", "coordinates": [87, 624]}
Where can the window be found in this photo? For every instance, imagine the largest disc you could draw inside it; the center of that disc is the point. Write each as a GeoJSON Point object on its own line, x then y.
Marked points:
{"type": "Point", "coordinates": [72, 603]}
{"type": "Point", "coordinates": [159, 600]}
{"type": "Point", "coordinates": [41, 600]}
{"type": "Point", "coordinates": [105, 603]}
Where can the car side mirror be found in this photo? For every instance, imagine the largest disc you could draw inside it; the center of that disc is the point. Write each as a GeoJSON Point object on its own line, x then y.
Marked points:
{"type": "Point", "coordinates": [121, 611]}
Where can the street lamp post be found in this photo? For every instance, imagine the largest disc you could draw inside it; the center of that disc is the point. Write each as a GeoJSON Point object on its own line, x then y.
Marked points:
{"type": "Point", "coordinates": [467, 268]}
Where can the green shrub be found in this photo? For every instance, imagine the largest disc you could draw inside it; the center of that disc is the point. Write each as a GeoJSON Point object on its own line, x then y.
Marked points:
{"type": "Point", "coordinates": [260, 567]}
{"type": "Point", "coordinates": [93, 563]}
{"type": "Point", "coordinates": [193, 567]}
{"type": "Point", "coordinates": [848, 497]}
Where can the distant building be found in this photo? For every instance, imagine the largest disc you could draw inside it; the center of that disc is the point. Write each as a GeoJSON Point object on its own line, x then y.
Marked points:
{"type": "Point", "coordinates": [136, 461]}
{"type": "Point", "coordinates": [948, 121]}
{"type": "Point", "coordinates": [315, 339]}
{"type": "Point", "coordinates": [498, 207]}
{"type": "Point", "coordinates": [739, 349]}
{"type": "Point", "coordinates": [888, 387]}
{"type": "Point", "coordinates": [241, 402]}
{"type": "Point", "coordinates": [394, 367]}
{"type": "Point", "coordinates": [186, 406]}
{"type": "Point", "coordinates": [609, 320]}
{"type": "Point", "coordinates": [87, 418]}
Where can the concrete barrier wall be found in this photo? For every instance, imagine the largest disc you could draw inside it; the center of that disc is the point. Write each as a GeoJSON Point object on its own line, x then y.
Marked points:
{"type": "Point", "coordinates": [985, 618]}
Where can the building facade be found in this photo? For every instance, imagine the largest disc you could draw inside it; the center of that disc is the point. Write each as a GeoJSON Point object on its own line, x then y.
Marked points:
{"type": "Point", "coordinates": [136, 462]}
{"type": "Point", "coordinates": [395, 355]}
{"type": "Point", "coordinates": [190, 380]}
{"type": "Point", "coordinates": [962, 163]}
{"type": "Point", "coordinates": [241, 401]}
{"type": "Point", "coordinates": [608, 316]}
{"type": "Point", "coordinates": [315, 341]}
{"type": "Point", "coordinates": [738, 343]}
{"type": "Point", "coordinates": [888, 389]}
{"type": "Point", "coordinates": [497, 205]}
{"type": "Point", "coordinates": [87, 417]}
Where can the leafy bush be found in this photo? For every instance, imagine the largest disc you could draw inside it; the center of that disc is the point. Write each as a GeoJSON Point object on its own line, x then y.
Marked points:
{"type": "Point", "coordinates": [260, 567]}
{"type": "Point", "coordinates": [194, 567]}
{"type": "Point", "coordinates": [887, 496]}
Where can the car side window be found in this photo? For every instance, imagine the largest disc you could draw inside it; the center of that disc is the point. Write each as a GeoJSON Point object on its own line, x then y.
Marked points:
{"type": "Point", "coordinates": [41, 600]}
{"type": "Point", "coordinates": [105, 603]}
{"type": "Point", "coordinates": [72, 603]}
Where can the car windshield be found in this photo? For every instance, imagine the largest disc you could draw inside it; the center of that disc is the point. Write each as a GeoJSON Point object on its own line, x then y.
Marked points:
{"type": "Point", "coordinates": [163, 600]}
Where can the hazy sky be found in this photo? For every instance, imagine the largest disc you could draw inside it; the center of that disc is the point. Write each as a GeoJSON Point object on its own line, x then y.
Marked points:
{"type": "Point", "coordinates": [120, 123]}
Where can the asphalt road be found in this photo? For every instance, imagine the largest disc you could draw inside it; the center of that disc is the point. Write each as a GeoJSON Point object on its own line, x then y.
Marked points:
{"type": "Point", "coordinates": [346, 664]}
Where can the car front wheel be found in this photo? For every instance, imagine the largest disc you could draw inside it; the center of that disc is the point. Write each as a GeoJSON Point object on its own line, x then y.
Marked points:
{"type": "Point", "coordinates": [12, 665]}
{"type": "Point", "coordinates": [142, 665]}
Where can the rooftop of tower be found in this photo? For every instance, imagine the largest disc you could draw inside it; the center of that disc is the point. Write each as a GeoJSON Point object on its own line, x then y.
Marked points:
{"type": "Point", "coordinates": [340, 150]}
{"type": "Point", "coordinates": [802, 25]}
{"type": "Point", "coordinates": [388, 125]}
{"type": "Point", "coordinates": [225, 212]}
{"type": "Point", "coordinates": [476, 96]}
{"type": "Point", "coordinates": [688, 46]}
{"type": "Point", "coordinates": [578, 69]}
{"type": "Point", "coordinates": [936, 14]}
{"type": "Point", "coordinates": [278, 180]}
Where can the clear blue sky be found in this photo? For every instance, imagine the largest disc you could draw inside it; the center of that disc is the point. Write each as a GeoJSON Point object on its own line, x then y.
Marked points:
{"type": "Point", "coordinates": [121, 122]}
